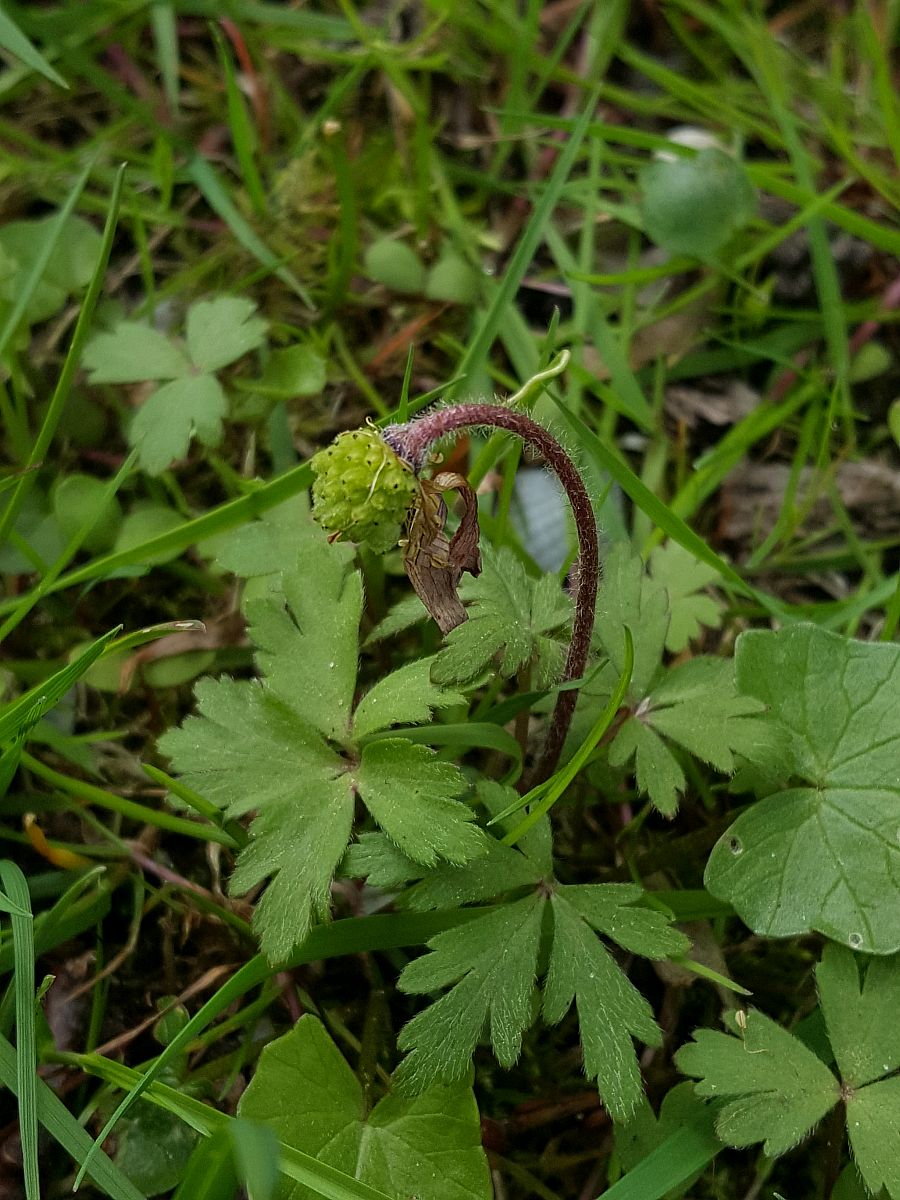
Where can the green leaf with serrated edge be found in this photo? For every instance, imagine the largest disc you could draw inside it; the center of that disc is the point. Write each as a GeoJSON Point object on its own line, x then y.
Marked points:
{"type": "Point", "coordinates": [825, 856]}
{"type": "Point", "coordinates": [684, 577]}
{"type": "Point", "coordinates": [374, 857]}
{"type": "Point", "coordinates": [412, 796]}
{"type": "Point", "coordinates": [428, 1147]}
{"type": "Point", "coordinates": [610, 1009]}
{"type": "Point", "coordinates": [264, 547]}
{"type": "Point", "coordinates": [862, 1019]}
{"type": "Point", "coordinates": [780, 1089]}
{"type": "Point", "coordinates": [260, 747]}
{"type": "Point", "coordinates": [491, 962]}
{"type": "Point", "coordinates": [698, 705]}
{"type": "Point", "coordinates": [510, 615]}
{"type": "Point", "coordinates": [298, 844]}
{"type": "Point", "coordinates": [249, 752]}
{"type": "Point", "coordinates": [171, 416]}
{"type": "Point", "coordinates": [500, 869]}
{"type": "Point", "coordinates": [405, 697]}
{"type": "Point", "coordinates": [612, 909]}
{"type": "Point", "coordinates": [629, 596]}
{"type": "Point", "coordinates": [873, 1123]}
{"type": "Point", "coordinates": [220, 331]}
{"type": "Point", "coordinates": [656, 769]}
{"type": "Point", "coordinates": [307, 643]}
{"type": "Point", "coordinates": [132, 353]}
{"type": "Point", "coordinates": [405, 614]}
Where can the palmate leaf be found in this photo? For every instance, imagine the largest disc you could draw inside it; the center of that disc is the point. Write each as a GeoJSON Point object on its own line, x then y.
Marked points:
{"type": "Point", "coordinates": [823, 855]}
{"type": "Point", "coordinates": [695, 706]}
{"type": "Point", "coordinates": [690, 607]}
{"type": "Point", "coordinates": [428, 1146]}
{"type": "Point", "coordinates": [490, 964]}
{"type": "Point", "coordinates": [510, 615]}
{"type": "Point", "coordinates": [610, 1008]}
{"type": "Point", "coordinates": [284, 748]}
{"type": "Point", "coordinates": [777, 1089]}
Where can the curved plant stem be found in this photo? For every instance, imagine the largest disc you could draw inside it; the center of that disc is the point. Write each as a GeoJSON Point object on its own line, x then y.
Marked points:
{"type": "Point", "coordinates": [413, 441]}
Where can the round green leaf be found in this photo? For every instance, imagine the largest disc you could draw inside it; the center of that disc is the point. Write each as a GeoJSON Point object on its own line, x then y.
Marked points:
{"type": "Point", "coordinates": [78, 498]}
{"type": "Point", "coordinates": [395, 265]}
{"type": "Point", "coordinates": [146, 521]}
{"type": "Point", "coordinates": [695, 205]}
{"type": "Point", "coordinates": [452, 279]}
{"type": "Point", "coordinates": [295, 371]}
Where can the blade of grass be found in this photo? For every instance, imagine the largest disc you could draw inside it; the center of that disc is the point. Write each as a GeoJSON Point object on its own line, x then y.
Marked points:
{"type": "Point", "coordinates": [243, 134]}
{"type": "Point", "coordinates": [504, 293]}
{"type": "Point", "coordinates": [679, 1157]}
{"type": "Point", "coordinates": [165, 36]}
{"type": "Point", "coordinates": [67, 919]}
{"type": "Point", "coordinates": [14, 40]}
{"type": "Point", "coordinates": [73, 357]}
{"type": "Point", "coordinates": [89, 793]}
{"type": "Point", "coordinates": [63, 1127]}
{"type": "Point", "coordinates": [630, 396]}
{"type": "Point", "coordinates": [33, 704]}
{"type": "Point", "coordinates": [547, 793]}
{"type": "Point", "coordinates": [16, 887]}
{"type": "Point", "coordinates": [214, 192]}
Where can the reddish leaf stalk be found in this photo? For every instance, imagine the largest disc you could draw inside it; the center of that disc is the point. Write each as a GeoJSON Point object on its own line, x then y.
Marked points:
{"type": "Point", "coordinates": [413, 441]}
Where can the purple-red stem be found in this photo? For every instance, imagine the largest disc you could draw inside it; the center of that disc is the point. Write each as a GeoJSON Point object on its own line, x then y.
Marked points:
{"type": "Point", "coordinates": [412, 443]}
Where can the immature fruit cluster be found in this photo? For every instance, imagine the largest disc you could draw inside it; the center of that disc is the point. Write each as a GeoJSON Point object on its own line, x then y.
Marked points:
{"type": "Point", "coordinates": [362, 490]}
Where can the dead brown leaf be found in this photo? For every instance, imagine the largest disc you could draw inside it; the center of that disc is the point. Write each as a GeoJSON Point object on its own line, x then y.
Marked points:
{"type": "Point", "coordinates": [435, 563]}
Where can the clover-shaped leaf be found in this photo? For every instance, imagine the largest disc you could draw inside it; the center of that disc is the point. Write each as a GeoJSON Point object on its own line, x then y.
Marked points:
{"type": "Point", "coordinates": [191, 403]}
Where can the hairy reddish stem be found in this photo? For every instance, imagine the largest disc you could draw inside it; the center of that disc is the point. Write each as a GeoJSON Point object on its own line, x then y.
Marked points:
{"type": "Point", "coordinates": [412, 443]}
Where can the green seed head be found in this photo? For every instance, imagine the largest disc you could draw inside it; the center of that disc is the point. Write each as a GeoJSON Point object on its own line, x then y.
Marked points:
{"type": "Point", "coordinates": [362, 490]}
